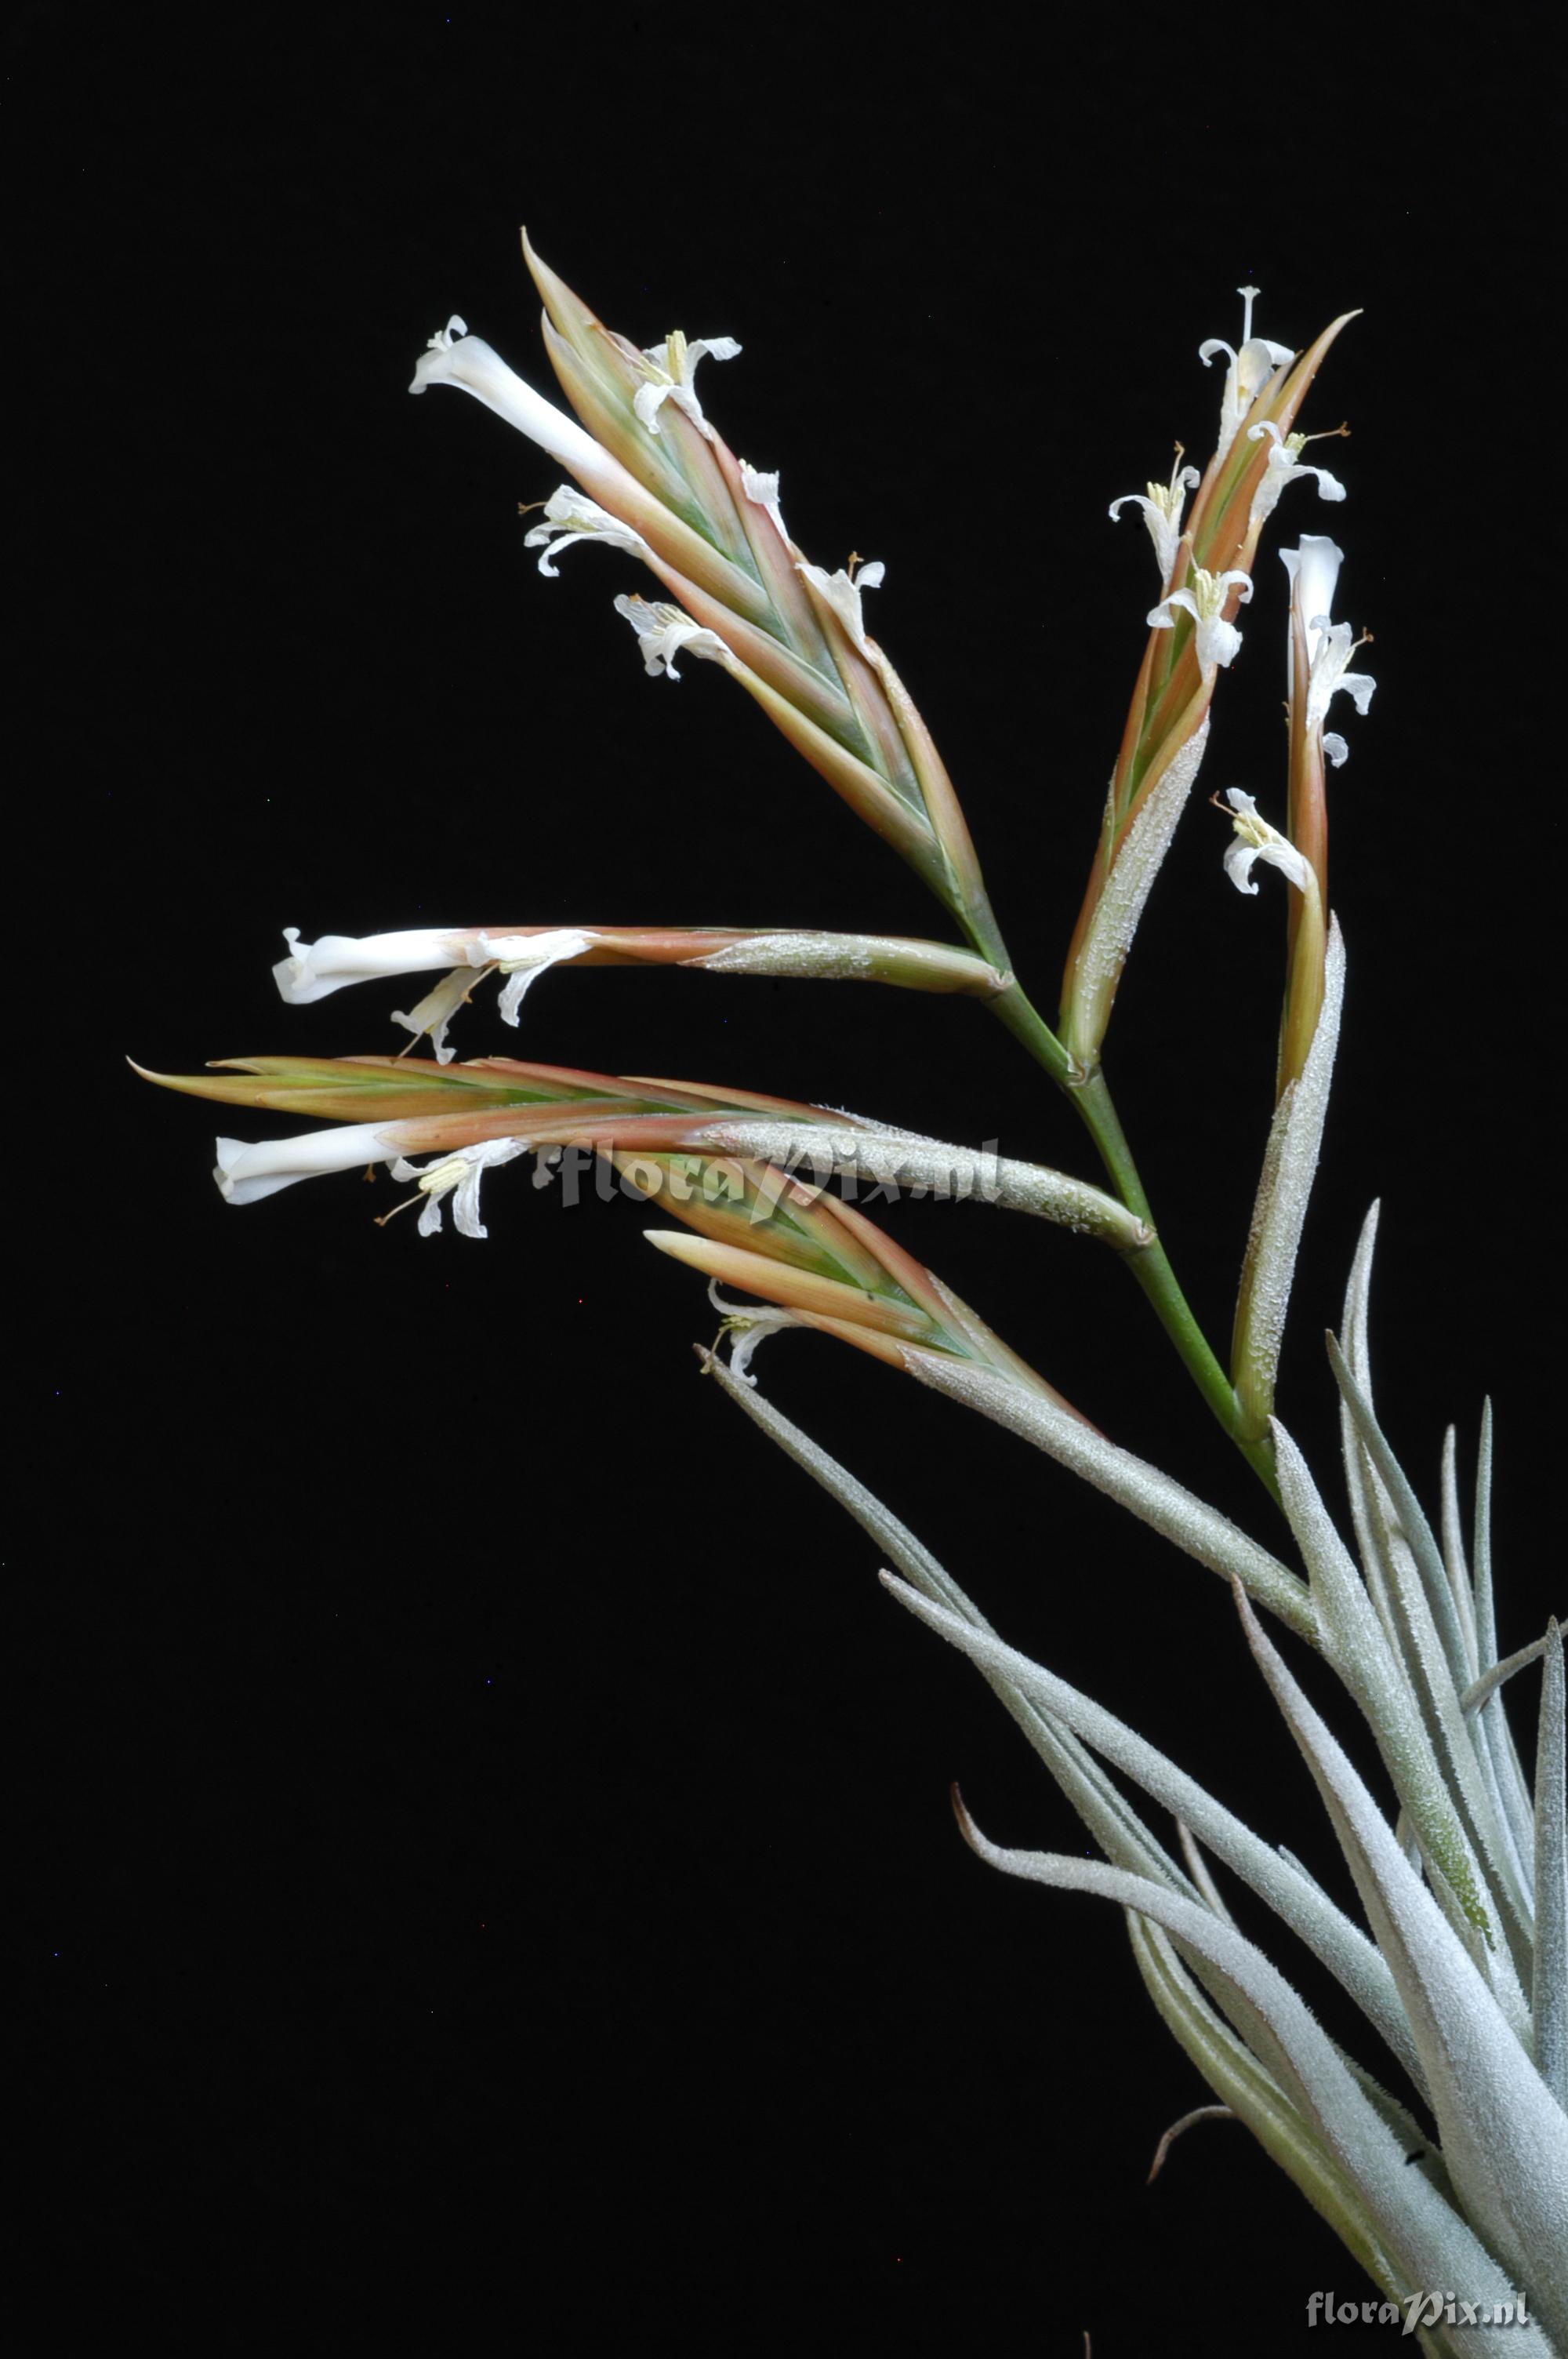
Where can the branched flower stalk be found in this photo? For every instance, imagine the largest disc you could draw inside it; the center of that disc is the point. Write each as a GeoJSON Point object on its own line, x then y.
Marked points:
{"type": "Point", "coordinates": [1444, 2166]}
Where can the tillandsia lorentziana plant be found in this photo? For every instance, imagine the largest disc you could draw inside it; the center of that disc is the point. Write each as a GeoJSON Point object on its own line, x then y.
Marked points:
{"type": "Point", "coordinates": [1443, 2164]}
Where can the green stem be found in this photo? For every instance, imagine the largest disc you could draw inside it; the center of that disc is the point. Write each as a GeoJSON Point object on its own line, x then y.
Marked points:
{"type": "Point", "coordinates": [1149, 1263]}
{"type": "Point", "coordinates": [975, 915]}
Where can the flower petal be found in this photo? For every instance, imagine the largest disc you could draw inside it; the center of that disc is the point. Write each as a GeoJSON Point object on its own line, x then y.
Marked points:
{"type": "Point", "coordinates": [454, 357]}
{"type": "Point", "coordinates": [665, 630]}
{"type": "Point", "coordinates": [247, 1171]}
{"type": "Point", "coordinates": [571, 516]}
{"type": "Point", "coordinates": [524, 958]}
{"type": "Point", "coordinates": [1256, 840]}
{"type": "Point", "coordinates": [314, 970]}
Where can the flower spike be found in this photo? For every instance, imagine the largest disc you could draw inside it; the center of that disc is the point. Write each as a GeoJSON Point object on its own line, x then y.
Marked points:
{"type": "Point", "coordinates": [1462, 1967]}
{"type": "Point", "coordinates": [406, 1108]}
{"type": "Point", "coordinates": [470, 953]}
{"type": "Point", "coordinates": [660, 485]}
{"type": "Point", "coordinates": [1204, 568]}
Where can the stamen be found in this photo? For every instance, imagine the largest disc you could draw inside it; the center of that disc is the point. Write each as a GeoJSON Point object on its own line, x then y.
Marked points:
{"type": "Point", "coordinates": [381, 1218]}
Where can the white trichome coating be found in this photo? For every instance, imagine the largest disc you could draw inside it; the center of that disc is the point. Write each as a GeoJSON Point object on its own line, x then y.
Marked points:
{"type": "Point", "coordinates": [898, 1158]}
{"type": "Point", "coordinates": [1098, 965]}
{"type": "Point", "coordinates": [848, 958]}
{"type": "Point", "coordinates": [1290, 1165]}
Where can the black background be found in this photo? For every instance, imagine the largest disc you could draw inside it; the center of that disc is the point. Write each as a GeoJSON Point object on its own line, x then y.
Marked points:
{"type": "Point", "coordinates": [493, 1830]}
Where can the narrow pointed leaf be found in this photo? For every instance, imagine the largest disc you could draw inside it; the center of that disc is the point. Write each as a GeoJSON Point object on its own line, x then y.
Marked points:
{"type": "Point", "coordinates": [1431, 1643]}
{"type": "Point", "coordinates": [1453, 1539]}
{"type": "Point", "coordinates": [1353, 1642]}
{"type": "Point", "coordinates": [1197, 1530]}
{"type": "Point", "coordinates": [1110, 1819]}
{"type": "Point", "coordinates": [1462, 1591]}
{"type": "Point", "coordinates": [1549, 1997]}
{"type": "Point", "coordinates": [1398, 1585]}
{"type": "Point", "coordinates": [1495, 1729]}
{"type": "Point", "coordinates": [1250, 2092]}
{"type": "Point", "coordinates": [1339, 1944]}
{"type": "Point", "coordinates": [1500, 1673]}
{"type": "Point", "coordinates": [1367, 1509]}
{"type": "Point", "coordinates": [1188, 2121]}
{"type": "Point", "coordinates": [1505, 2138]}
{"type": "Point", "coordinates": [1413, 1527]}
{"type": "Point", "coordinates": [1428, 2244]}
{"type": "Point", "coordinates": [1199, 1870]}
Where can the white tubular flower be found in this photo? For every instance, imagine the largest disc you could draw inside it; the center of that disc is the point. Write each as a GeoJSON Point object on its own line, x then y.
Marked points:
{"type": "Point", "coordinates": [1162, 504]}
{"type": "Point", "coordinates": [671, 367]}
{"type": "Point", "coordinates": [763, 491]}
{"type": "Point", "coordinates": [314, 970]}
{"type": "Point", "coordinates": [843, 591]}
{"type": "Point", "coordinates": [245, 1172]}
{"type": "Point", "coordinates": [1313, 569]}
{"type": "Point", "coordinates": [1249, 372]}
{"type": "Point", "coordinates": [664, 631]}
{"type": "Point", "coordinates": [1204, 600]}
{"type": "Point", "coordinates": [571, 516]}
{"type": "Point", "coordinates": [1283, 467]}
{"type": "Point", "coordinates": [524, 957]}
{"type": "Point", "coordinates": [747, 1324]}
{"type": "Point", "coordinates": [1256, 840]}
{"type": "Point", "coordinates": [454, 357]}
{"type": "Point", "coordinates": [459, 1172]}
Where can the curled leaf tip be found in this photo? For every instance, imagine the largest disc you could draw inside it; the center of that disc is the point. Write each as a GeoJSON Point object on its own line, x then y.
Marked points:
{"type": "Point", "coordinates": [967, 1826]}
{"type": "Point", "coordinates": [1199, 2113]}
